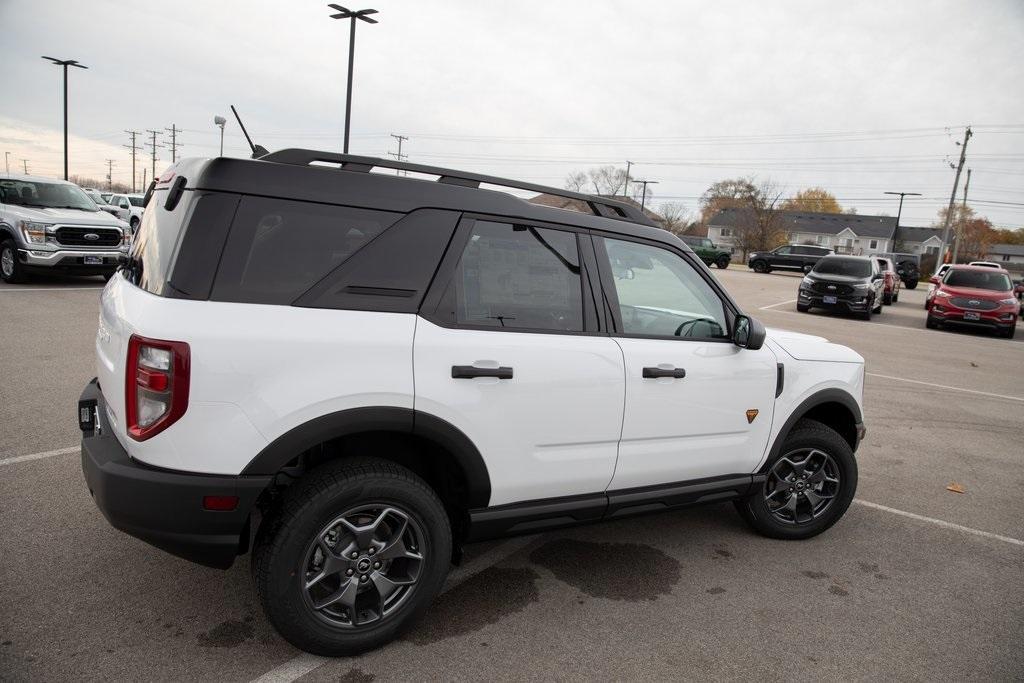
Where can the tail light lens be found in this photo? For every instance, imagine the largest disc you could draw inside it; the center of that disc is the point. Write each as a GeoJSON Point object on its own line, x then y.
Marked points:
{"type": "Point", "coordinates": [156, 385]}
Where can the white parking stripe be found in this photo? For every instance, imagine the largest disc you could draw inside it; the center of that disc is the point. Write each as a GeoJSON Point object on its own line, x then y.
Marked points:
{"type": "Point", "coordinates": [40, 456]}
{"type": "Point", "coordinates": [301, 665]}
{"type": "Point", "coordinates": [9, 290]}
{"type": "Point", "coordinates": [944, 386]}
{"type": "Point", "coordinates": [939, 522]}
{"type": "Point", "coordinates": [781, 303]}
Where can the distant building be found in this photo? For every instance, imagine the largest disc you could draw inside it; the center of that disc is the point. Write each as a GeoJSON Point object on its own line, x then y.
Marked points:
{"type": "Point", "coordinates": [911, 240]}
{"type": "Point", "coordinates": [1009, 256]}
{"type": "Point", "coordinates": [841, 232]}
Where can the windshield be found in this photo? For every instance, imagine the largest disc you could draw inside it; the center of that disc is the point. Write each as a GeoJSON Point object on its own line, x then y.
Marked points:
{"type": "Point", "coordinates": [843, 266]}
{"type": "Point", "coordinates": [978, 279]}
{"type": "Point", "coordinates": [45, 195]}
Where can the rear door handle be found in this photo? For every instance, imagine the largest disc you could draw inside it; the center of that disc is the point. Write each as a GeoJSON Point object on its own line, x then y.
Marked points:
{"type": "Point", "coordinates": [471, 371]}
{"type": "Point", "coordinates": [655, 373]}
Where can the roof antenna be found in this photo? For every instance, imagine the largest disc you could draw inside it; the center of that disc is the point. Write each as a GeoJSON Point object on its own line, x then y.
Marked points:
{"type": "Point", "coordinates": [257, 150]}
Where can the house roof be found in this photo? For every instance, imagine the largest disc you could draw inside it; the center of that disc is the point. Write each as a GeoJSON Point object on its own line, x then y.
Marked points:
{"type": "Point", "coordinates": [818, 223]}
{"type": "Point", "coordinates": [1007, 249]}
{"type": "Point", "coordinates": [908, 233]}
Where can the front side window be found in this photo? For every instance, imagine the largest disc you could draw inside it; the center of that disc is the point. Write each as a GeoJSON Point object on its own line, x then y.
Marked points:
{"type": "Point", "coordinates": [661, 295]}
{"type": "Point", "coordinates": [784, 251]}
{"type": "Point", "coordinates": [517, 277]}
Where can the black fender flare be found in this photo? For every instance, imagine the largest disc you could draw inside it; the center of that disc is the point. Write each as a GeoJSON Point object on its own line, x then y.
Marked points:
{"type": "Point", "coordinates": [445, 435]}
{"type": "Point", "coordinates": [822, 397]}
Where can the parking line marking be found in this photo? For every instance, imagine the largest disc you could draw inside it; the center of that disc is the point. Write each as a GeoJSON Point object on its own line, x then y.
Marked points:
{"type": "Point", "coordinates": [781, 303]}
{"type": "Point", "coordinates": [47, 289]}
{"type": "Point", "coordinates": [944, 386]}
{"type": "Point", "coordinates": [40, 456]}
{"type": "Point", "coordinates": [939, 522]}
{"type": "Point", "coordinates": [304, 663]}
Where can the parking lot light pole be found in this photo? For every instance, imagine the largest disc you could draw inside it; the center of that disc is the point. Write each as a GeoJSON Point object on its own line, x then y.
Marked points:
{"type": "Point", "coordinates": [348, 14]}
{"type": "Point", "coordinates": [66, 63]}
{"type": "Point", "coordinates": [643, 197]}
{"type": "Point", "coordinates": [900, 211]}
{"type": "Point", "coordinates": [220, 121]}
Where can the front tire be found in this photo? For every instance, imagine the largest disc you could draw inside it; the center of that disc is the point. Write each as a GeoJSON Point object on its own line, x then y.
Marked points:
{"type": "Point", "coordinates": [802, 308]}
{"type": "Point", "coordinates": [809, 486]}
{"type": "Point", "coordinates": [931, 323]}
{"type": "Point", "coordinates": [10, 270]}
{"type": "Point", "coordinates": [759, 266]}
{"type": "Point", "coordinates": [352, 555]}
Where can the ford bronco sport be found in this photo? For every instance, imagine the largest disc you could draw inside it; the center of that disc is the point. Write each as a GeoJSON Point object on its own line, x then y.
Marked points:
{"type": "Point", "coordinates": [355, 374]}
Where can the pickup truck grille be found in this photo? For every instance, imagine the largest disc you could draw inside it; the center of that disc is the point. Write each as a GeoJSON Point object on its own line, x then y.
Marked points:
{"type": "Point", "coordinates": [973, 304]}
{"type": "Point", "coordinates": [823, 288]}
{"type": "Point", "coordinates": [77, 237]}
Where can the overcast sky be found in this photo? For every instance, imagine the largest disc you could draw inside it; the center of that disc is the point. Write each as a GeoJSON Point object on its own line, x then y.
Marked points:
{"type": "Point", "coordinates": [857, 97]}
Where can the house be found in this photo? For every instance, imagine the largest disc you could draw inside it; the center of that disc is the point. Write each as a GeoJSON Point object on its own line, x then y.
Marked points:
{"type": "Point", "coordinates": [1009, 256]}
{"type": "Point", "coordinates": [911, 240]}
{"type": "Point", "coordinates": [844, 233]}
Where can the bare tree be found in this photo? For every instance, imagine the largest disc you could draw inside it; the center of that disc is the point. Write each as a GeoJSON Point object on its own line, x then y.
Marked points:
{"type": "Point", "coordinates": [760, 225]}
{"type": "Point", "coordinates": [604, 180]}
{"type": "Point", "coordinates": [576, 181]}
{"type": "Point", "coordinates": [675, 217]}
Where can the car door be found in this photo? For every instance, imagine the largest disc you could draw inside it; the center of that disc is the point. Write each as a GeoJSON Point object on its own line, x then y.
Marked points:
{"type": "Point", "coordinates": [509, 350]}
{"type": "Point", "coordinates": [697, 405]}
{"type": "Point", "coordinates": [784, 257]}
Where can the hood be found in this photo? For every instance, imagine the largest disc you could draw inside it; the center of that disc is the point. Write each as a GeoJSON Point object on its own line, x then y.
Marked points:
{"type": "Point", "coordinates": [972, 293]}
{"type": "Point", "coordinates": [809, 347]}
{"type": "Point", "coordinates": [70, 216]}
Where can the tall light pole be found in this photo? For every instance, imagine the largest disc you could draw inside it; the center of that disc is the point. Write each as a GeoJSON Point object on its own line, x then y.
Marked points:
{"type": "Point", "coordinates": [220, 121]}
{"type": "Point", "coordinates": [66, 63]}
{"type": "Point", "coordinates": [900, 211]}
{"type": "Point", "coordinates": [347, 14]}
{"type": "Point", "coordinates": [643, 197]}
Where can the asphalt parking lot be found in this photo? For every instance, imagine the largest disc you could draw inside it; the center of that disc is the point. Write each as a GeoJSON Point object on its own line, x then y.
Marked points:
{"type": "Point", "coordinates": [915, 583]}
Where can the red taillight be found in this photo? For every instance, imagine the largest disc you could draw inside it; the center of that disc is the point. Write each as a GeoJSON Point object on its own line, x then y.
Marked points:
{"type": "Point", "coordinates": [220, 503]}
{"type": "Point", "coordinates": [156, 385]}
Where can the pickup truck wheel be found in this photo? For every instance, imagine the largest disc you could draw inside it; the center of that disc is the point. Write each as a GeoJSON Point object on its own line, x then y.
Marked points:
{"type": "Point", "coordinates": [353, 554]}
{"type": "Point", "coordinates": [10, 270]}
{"type": "Point", "coordinates": [809, 485]}
{"type": "Point", "coordinates": [722, 262]}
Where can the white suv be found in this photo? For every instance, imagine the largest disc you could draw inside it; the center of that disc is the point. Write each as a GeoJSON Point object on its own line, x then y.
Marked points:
{"type": "Point", "coordinates": [358, 373]}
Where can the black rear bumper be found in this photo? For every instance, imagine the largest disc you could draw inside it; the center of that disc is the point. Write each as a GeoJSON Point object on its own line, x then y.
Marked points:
{"type": "Point", "coordinates": [161, 507]}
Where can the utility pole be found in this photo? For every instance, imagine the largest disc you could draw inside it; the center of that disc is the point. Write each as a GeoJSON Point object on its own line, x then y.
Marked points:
{"type": "Point", "coordinates": [952, 196]}
{"type": "Point", "coordinates": [963, 218]}
{"type": "Point", "coordinates": [643, 197]}
{"type": "Point", "coordinates": [625, 185]}
{"type": "Point", "coordinates": [24, 165]}
{"type": "Point", "coordinates": [134, 148]}
{"type": "Point", "coordinates": [153, 144]}
{"type": "Point", "coordinates": [143, 179]}
{"type": "Point", "coordinates": [110, 174]}
{"type": "Point", "coordinates": [66, 63]}
{"type": "Point", "coordinates": [353, 15]}
{"type": "Point", "coordinates": [399, 155]}
{"type": "Point", "coordinates": [173, 130]}
{"type": "Point", "coordinates": [7, 162]}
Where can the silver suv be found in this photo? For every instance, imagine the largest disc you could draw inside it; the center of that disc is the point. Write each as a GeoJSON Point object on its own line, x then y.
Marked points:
{"type": "Point", "coordinates": [53, 226]}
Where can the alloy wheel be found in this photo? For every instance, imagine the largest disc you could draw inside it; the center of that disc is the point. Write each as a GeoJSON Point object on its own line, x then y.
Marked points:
{"type": "Point", "coordinates": [362, 566]}
{"type": "Point", "coordinates": [802, 485]}
{"type": "Point", "coordinates": [7, 262]}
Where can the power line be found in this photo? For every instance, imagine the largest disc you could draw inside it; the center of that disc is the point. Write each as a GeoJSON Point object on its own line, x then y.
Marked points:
{"type": "Point", "coordinates": [399, 154]}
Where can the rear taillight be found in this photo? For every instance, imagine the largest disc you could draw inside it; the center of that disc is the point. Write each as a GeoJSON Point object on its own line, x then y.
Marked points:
{"type": "Point", "coordinates": [156, 385]}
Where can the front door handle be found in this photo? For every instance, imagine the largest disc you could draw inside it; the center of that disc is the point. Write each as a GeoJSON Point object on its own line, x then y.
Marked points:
{"type": "Point", "coordinates": [655, 373]}
{"type": "Point", "coordinates": [471, 371]}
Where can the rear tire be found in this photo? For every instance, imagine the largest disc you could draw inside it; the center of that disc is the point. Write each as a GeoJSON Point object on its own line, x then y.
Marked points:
{"type": "Point", "coordinates": [789, 507]}
{"type": "Point", "coordinates": [10, 270]}
{"type": "Point", "coordinates": [304, 571]}
{"type": "Point", "coordinates": [722, 262]}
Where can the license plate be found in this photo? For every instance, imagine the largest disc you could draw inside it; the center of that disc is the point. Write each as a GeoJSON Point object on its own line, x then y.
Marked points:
{"type": "Point", "coordinates": [94, 260]}
{"type": "Point", "coordinates": [828, 299]}
{"type": "Point", "coordinates": [972, 316]}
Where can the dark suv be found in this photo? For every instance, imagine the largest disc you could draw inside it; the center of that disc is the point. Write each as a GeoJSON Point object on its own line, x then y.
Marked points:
{"type": "Point", "coordinates": [707, 251]}
{"type": "Point", "coordinates": [853, 283]}
{"type": "Point", "coordinates": [800, 257]}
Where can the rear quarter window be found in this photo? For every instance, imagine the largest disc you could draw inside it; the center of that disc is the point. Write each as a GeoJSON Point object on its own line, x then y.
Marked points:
{"type": "Point", "coordinates": [278, 249]}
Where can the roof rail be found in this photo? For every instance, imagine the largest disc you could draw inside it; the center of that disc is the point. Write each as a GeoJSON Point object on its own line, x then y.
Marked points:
{"type": "Point", "coordinates": [600, 206]}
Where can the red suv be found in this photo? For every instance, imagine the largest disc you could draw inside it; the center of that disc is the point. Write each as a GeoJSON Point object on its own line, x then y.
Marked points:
{"type": "Point", "coordinates": [975, 296]}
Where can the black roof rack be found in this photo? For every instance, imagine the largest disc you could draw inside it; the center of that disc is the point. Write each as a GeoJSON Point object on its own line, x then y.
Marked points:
{"type": "Point", "coordinates": [600, 206]}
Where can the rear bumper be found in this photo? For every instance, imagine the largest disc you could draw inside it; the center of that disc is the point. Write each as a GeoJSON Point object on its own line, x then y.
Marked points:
{"type": "Point", "coordinates": [165, 508]}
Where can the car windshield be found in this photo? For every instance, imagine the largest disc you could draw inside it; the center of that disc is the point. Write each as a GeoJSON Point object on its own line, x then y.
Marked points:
{"type": "Point", "coordinates": [45, 195]}
{"type": "Point", "coordinates": [978, 279]}
{"type": "Point", "coordinates": [843, 266]}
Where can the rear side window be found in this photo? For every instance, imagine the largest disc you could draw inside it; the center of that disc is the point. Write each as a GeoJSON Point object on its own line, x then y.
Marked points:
{"type": "Point", "coordinates": [277, 249]}
{"type": "Point", "coordinates": [154, 245]}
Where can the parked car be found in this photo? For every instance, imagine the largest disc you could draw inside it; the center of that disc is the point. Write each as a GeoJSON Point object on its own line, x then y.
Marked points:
{"type": "Point", "coordinates": [974, 296]}
{"type": "Point", "coordinates": [800, 257]}
{"type": "Point", "coordinates": [851, 283]}
{"type": "Point", "coordinates": [908, 267]}
{"type": "Point", "coordinates": [52, 226]}
{"type": "Point", "coordinates": [104, 205]}
{"type": "Point", "coordinates": [132, 205]}
{"type": "Point", "coordinates": [1018, 289]}
{"type": "Point", "coordinates": [707, 251]}
{"type": "Point", "coordinates": [985, 264]}
{"type": "Point", "coordinates": [424, 370]}
{"type": "Point", "coordinates": [891, 291]}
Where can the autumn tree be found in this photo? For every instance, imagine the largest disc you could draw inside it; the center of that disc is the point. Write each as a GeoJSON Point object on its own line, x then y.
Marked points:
{"type": "Point", "coordinates": [1009, 236]}
{"type": "Point", "coordinates": [733, 193]}
{"type": "Point", "coordinates": [976, 235]}
{"type": "Point", "coordinates": [815, 199]}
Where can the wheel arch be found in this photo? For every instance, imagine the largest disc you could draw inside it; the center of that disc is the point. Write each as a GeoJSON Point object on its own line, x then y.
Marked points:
{"type": "Point", "coordinates": [407, 434]}
{"type": "Point", "coordinates": [834, 408]}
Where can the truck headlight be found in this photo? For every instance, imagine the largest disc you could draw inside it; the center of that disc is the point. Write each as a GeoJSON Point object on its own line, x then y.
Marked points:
{"type": "Point", "coordinates": [35, 233]}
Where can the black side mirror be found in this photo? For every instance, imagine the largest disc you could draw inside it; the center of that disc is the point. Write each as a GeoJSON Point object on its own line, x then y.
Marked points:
{"type": "Point", "coordinates": [748, 333]}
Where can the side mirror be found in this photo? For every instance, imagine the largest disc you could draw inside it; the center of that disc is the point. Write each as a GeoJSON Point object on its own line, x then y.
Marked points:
{"type": "Point", "coordinates": [748, 333]}
{"type": "Point", "coordinates": [934, 279]}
